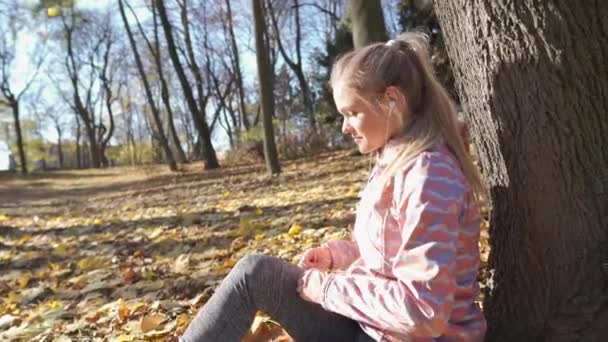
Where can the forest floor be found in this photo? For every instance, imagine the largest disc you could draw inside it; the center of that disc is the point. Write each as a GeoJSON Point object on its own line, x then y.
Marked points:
{"type": "Point", "coordinates": [131, 254]}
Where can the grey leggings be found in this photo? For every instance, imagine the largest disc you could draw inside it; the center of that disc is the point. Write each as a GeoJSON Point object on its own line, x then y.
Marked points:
{"type": "Point", "coordinates": [268, 284]}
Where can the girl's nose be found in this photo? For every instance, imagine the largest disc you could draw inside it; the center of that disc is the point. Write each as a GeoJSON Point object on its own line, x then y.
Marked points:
{"type": "Point", "coordinates": [345, 125]}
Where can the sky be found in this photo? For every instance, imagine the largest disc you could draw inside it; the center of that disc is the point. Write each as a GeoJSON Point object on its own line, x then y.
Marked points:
{"type": "Point", "coordinates": [3, 156]}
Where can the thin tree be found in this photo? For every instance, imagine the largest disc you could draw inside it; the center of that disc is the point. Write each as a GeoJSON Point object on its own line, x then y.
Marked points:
{"type": "Point", "coordinates": [10, 96]}
{"type": "Point", "coordinates": [237, 66]}
{"type": "Point", "coordinates": [295, 65]}
{"type": "Point", "coordinates": [197, 111]}
{"type": "Point", "coordinates": [266, 88]}
{"type": "Point", "coordinates": [155, 50]}
{"type": "Point", "coordinates": [531, 76]}
{"type": "Point", "coordinates": [154, 110]}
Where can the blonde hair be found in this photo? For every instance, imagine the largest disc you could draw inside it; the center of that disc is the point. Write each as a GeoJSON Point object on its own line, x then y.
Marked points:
{"type": "Point", "coordinates": [431, 116]}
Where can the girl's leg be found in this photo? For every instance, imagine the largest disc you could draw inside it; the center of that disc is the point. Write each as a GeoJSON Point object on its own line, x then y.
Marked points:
{"type": "Point", "coordinates": [268, 284]}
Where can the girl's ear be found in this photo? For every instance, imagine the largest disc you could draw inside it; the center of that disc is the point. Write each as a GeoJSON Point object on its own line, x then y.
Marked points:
{"type": "Point", "coordinates": [394, 98]}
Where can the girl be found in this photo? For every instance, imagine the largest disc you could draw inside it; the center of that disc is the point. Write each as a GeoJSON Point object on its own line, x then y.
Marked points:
{"type": "Point", "coordinates": [410, 272]}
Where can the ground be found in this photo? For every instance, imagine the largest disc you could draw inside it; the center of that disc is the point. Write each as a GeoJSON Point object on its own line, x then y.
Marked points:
{"type": "Point", "coordinates": [131, 254]}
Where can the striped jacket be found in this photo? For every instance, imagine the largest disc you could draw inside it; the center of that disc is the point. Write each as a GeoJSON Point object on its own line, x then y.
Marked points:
{"type": "Point", "coordinates": [410, 272]}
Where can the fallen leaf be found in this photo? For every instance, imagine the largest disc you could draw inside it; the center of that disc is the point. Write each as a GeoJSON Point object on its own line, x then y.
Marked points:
{"type": "Point", "coordinates": [181, 263]}
{"type": "Point", "coordinates": [151, 322]}
{"type": "Point", "coordinates": [294, 230]}
{"type": "Point", "coordinates": [122, 310]}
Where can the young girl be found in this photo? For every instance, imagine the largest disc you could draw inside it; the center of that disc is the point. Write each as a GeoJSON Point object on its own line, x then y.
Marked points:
{"type": "Point", "coordinates": [410, 272]}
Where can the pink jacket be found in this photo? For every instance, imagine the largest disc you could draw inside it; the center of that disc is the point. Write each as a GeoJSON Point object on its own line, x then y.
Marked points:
{"type": "Point", "coordinates": [411, 271]}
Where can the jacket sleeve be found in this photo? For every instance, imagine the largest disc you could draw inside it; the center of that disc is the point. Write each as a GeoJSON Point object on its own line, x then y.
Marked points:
{"type": "Point", "coordinates": [418, 302]}
{"type": "Point", "coordinates": [343, 252]}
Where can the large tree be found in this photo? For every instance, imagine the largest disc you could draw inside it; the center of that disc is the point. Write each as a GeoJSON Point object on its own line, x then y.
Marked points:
{"type": "Point", "coordinates": [367, 22]}
{"type": "Point", "coordinates": [532, 78]}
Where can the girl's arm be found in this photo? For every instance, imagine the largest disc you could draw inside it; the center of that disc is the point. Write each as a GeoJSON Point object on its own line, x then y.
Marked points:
{"type": "Point", "coordinates": [343, 252]}
{"type": "Point", "coordinates": [419, 302]}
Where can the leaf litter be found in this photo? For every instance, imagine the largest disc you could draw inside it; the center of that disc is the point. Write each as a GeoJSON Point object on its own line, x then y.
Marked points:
{"type": "Point", "coordinates": [131, 254]}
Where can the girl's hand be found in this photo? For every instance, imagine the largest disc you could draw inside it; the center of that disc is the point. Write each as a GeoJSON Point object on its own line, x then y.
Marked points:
{"type": "Point", "coordinates": [310, 286]}
{"type": "Point", "coordinates": [319, 258]}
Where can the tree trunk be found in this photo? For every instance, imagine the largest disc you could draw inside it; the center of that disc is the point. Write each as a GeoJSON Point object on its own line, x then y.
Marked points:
{"type": "Point", "coordinates": [155, 114]}
{"type": "Point", "coordinates": [95, 159]}
{"type": "Point", "coordinates": [60, 146]}
{"type": "Point", "coordinates": [237, 68]}
{"type": "Point", "coordinates": [532, 78]}
{"type": "Point", "coordinates": [367, 22]}
{"type": "Point", "coordinates": [296, 66]}
{"type": "Point", "coordinates": [198, 115]}
{"type": "Point", "coordinates": [78, 155]}
{"type": "Point", "coordinates": [266, 89]}
{"type": "Point", "coordinates": [181, 155]}
{"type": "Point", "coordinates": [20, 143]}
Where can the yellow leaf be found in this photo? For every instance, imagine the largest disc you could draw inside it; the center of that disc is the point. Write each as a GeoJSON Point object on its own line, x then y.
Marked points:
{"type": "Point", "coordinates": [24, 280]}
{"type": "Point", "coordinates": [123, 338]}
{"type": "Point", "coordinates": [151, 322]}
{"type": "Point", "coordinates": [97, 221]}
{"type": "Point", "coordinates": [258, 212]}
{"type": "Point", "coordinates": [3, 218]}
{"type": "Point", "coordinates": [227, 264]}
{"type": "Point", "coordinates": [54, 304]}
{"type": "Point", "coordinates": [24, 239]}
{"type": "Point", "coordinates": [259, 237]}
{"type": "Point", "coordinates": [91, 263]}
{"type": "Point", "coordinates": [294, 230]}
{"type": "Point", "coordinates": [226, 194]}
{"type": "Point", "coordinates": [13, 298]}
{"type": "Point", "coordinates": [52, 11]}
{"type": "Point", "coordinates": [182, 321]}
{"type": "Point", "coordinates": [60, 249]}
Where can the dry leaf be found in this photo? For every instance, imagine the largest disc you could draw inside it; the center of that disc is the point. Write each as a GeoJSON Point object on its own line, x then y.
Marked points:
{"type": "Point", "coordinates": [122, 310]}
{"type": "Point", "coordinates": [181, 263]}
{"type": "Point", "coordinates": [151, 322]}
{"type": "Point", "coordinates": [294, 230]}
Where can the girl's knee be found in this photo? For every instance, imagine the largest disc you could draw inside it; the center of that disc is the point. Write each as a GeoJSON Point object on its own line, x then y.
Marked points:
{"type": "Point", "coordinates": [254, 265]}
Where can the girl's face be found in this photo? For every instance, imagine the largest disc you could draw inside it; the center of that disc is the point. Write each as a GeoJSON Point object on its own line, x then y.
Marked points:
{"type": "Point", "coordinates": [369, 128]}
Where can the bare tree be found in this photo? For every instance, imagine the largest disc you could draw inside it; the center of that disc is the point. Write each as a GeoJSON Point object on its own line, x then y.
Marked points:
{"type": "Point", "coordinates": [266, 88]}
{"type": "Point", "coordinates": [296, 64]}
{"type": "Point", "coordinates": [197, 109]}
{"type": "Point", "coordinates": [236, 65]}
{"type": "Point", "coordinates": [153, 108]}
{"type": "Point", "coordinates": [11, 97]}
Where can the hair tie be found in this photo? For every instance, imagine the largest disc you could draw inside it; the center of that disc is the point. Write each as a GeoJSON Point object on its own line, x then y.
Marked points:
{"type": "Point", "coordinates": [390, 42]}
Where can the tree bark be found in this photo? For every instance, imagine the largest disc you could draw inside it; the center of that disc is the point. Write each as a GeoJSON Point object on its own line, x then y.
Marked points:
{"type": "Point", "coordinates": [237, 68]}
{"type": "Point", "coordinates": [367, 22]}
{"type": "Point", "coordinates": [20, 144]}
{"type": "Point", "coordinates": [60, 145]}
{"type": "Point", "coordinates": [198, 115]}
{"type": "Point", "coordinates": [532, 79]}
{"type": "Point", "coordinates": [78, 153]}
{"type": "Point", "coordinates": [296, 66]}
{"type": "Point", "coordinates": [266, 89]}
{"type": "Point", "coordinates": [155, 114]}
{"type": "Point", "coordinates": [156, 54]}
